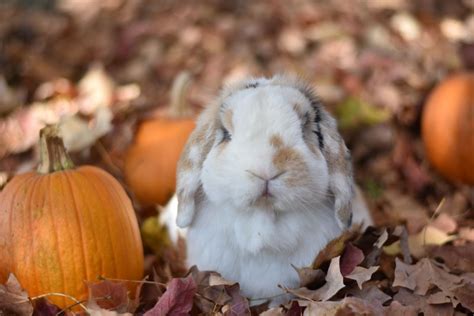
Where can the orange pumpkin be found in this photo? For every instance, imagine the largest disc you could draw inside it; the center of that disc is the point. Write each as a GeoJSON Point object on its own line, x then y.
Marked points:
{"type": "Point", "coordinates": [448, 127]}
{"type": "Point", "coordinates": [61, 226]}
{"type": "Point", "coordinates": [151, 161]}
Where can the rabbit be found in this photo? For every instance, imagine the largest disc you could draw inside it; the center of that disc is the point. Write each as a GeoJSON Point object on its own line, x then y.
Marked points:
{"type": "Point", "coordinates": [263, 184]}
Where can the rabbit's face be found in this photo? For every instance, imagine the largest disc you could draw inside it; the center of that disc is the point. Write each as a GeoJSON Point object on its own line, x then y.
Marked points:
{"type": "Point", "coordinates": [266, 153]}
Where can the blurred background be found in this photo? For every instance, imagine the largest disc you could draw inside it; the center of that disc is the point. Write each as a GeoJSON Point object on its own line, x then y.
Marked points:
{"type": "Point", "coordinates": [103, 69]}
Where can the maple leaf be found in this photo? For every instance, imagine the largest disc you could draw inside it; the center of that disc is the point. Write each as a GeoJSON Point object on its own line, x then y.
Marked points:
{"type": "Point", "coordinates": [177, 300]}
{"type": "Point", "coordinates": [13, 300]}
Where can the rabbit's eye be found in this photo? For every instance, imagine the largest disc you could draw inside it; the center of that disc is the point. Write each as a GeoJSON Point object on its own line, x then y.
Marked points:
{"type": "Point", "coordinates": [225, 135]}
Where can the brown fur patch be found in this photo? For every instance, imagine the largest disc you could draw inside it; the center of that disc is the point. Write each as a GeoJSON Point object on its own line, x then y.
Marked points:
{"type": "Point", "coordinates": [227, 119]}
{"type": "Point", "coordinates": [287, 159]}
{"type": "Point", "coordinates": [276, 141]}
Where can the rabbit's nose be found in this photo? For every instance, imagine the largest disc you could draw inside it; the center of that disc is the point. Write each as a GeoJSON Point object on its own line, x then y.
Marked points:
{"type": "Point", "coordinates": [264, 177]}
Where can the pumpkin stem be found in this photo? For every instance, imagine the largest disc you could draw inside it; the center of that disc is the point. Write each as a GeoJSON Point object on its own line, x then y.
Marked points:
{"type": "Point", "coordinates": [53, 154]}
{"type": "Point", "coordinates": [179, 108]}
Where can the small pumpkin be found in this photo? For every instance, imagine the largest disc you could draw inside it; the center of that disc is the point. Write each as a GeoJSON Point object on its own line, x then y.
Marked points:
{"type": "Point", "coordinates": [61, 226]}
{"type": "Point", "coordinates": [448, 127]}
{"type": "Point", "coordinates": [151, 161]}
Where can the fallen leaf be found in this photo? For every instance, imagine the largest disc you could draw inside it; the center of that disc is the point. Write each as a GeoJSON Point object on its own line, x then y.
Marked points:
{"type": "Point", "coordinates": [413, 303]}
{"type": "Point", "coordinates": [215, 279]}
{"type": "Point", "coordinates": [105, 312]}
{"type": "Point", "coordinates": [430, 235]}
{"type": "Point", "coordinates": [419, 244]}
{"type": "Point", "coordinates": [362, 275]}
{"type": "Point", "coordinates": [351, 257]}
{"type": "Point", "coordinates": [347, 306]}
{"type": "Point", "coordinates": [445, 223]}
{"type": "Point", "coordinates": [309, 276]}
{"type": "Point", "coordinates": [354, 112]}
{"type": "Point", "coordinates": [425, 274]}
{"type": "Point", "coordinates": [177, 300]}
{"type": "Point", "coordinates": [466, 233]}
{"type": "Point", "coordinates": [13, 299]}
{"type": "Point", "coordinates": [239, 305]}
{"type": "Point", "coordinates": [95, 90]}
{"type": "Point", "coordinates": [108, 295]}
{"type": "Point", "coordinates": [335, 247]}
{"type": "Point", "coordinates": [334, 282]}
{"type": "Point", "coordinates": [458, 258]}
{"type": "Point", "coordinates": [294, 310]}
{"type": "Point", "coordinates": [79, 134]}
{"type": "Point", "coordinates": [397, 309]}
{"type": "Point", "coordinates": [42, 307]}
{"type": "Point", "coordinates": [370, 292]}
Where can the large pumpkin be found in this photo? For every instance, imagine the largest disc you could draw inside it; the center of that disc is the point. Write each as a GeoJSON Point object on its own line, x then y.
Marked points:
{"type": "Point", "coordinates": [448, 127]}
{"type": "Point", "coordinates": [151, 161]}
{"type": "Point", "coordinates": [62, 226]}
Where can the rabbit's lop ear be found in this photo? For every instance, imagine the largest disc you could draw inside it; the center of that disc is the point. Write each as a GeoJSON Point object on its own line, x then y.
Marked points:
{"type": "Point", "coordinates": [338, 158]}
{"type": "Point", "coordinates": [337, 155]}
{"type": "Point", "coordinates": [189, 186]}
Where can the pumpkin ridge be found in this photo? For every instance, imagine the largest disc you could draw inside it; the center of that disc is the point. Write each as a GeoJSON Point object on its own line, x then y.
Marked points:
{"type": "Point", "coordinates": [33, 186]}
{"type": "Point", "coordinates": [67, 191]}
{"type": "Point", "coordinates": [67, 176]}
{"type": "Point", "coordinates": [116, 199]}
{"type": "Point", "coordinates": [10, 220]}
{"type": "Point", "coordinates": [109, 235]}
{"type": "Point", "coordinates": [107, 181]}
{"type": "Point", "coordinates": [53, 223]}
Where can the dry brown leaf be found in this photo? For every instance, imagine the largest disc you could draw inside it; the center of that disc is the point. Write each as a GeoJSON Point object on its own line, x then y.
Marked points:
{"type": "Point", "coordinates": [458, 258]}
{"type": "Point", "coordinates": [334, 282]}
{"type": "Point", "coordinates": [105, 312]}
{"type": "Point", "coordinates": [466, 233]}
{"type": "Point", "coordinates": [430, 235]}
{"type": "Point", "coordinates": [419, 243]}
{"type": "Point", "coordinates": [426, 275]}
{"type": "Point", "coordinates": [419, 304]}
{"type": "Point", "coordinates": [351, 257]}
{"type": "Point", "coordinates": [335, 247]}
{"type": "Point", "coordinates": [13, 299]}
{"type": "Point", "coordinates": [370, 292]}
{"type": "Point", "coordinates": [95, 90]}
{"type": "Point", "coordinates": [362, 275]}
{"type": "Point", "coordinates": [445, 223]}
{"type": "Point", "coordinates": [309, 276]}
{"type": "Point", "coordinates": [347, 306]}
{"type": "Point", "coordinates": [397, 309]}
{"type": "Point", "coordinates": [108, 295]}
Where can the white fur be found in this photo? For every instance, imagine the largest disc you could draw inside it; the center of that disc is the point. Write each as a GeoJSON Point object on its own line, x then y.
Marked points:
{"type": "Point", "coordinates": [257, 248]}
{"type": "Point", "coordinates": [255, 244]}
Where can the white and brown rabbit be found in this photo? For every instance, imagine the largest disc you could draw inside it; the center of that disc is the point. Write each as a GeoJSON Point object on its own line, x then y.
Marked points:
{"type": "Point", "coordinates": [264, 183]}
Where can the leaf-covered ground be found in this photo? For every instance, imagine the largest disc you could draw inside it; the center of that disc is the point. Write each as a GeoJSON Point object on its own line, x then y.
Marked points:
{"type": "Point", "coordinates": [99, 67]}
